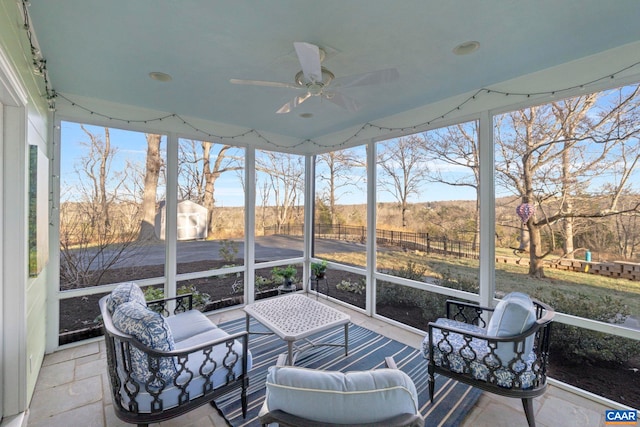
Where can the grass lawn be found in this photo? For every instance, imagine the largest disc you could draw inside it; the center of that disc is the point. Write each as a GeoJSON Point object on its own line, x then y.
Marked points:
{"type": "Point", "coordinates": [509, 277]}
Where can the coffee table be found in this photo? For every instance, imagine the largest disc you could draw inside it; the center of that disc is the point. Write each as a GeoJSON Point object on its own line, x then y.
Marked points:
{"type": "Point", "coordinates": [294, 317]}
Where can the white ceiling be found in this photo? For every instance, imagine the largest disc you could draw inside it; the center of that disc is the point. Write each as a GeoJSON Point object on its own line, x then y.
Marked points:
{"type": "Point", "coordinates": [105, 49]}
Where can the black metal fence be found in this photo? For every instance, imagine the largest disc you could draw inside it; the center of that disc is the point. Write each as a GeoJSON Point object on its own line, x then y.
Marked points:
{"type": "Point", "coordinates": [424, 242]}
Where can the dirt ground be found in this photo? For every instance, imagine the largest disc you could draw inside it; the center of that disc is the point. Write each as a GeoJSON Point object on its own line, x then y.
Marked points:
{"type": "Point", "coordinates": [620, 383]}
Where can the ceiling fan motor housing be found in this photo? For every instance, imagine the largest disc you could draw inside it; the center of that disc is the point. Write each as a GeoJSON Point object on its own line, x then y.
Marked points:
{"type": "Point", "coordinates": [315, 87]}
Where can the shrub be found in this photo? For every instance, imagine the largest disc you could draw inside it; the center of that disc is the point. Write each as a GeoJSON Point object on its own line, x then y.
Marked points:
{"type": "Point", "coordinates": [200, 299]}
{"type": "Point", "coordinates": [151, 293]}
{"type": "Point", "coordinates": [431, 305]}
{"type": "Point", "coordinates": [579, 345]}
{"type": "Point", "coordinates": [413, 271]}
{"type": "Point", "coordinates": [354, 287]}
{"type": "Point", "coordinates": [262, 283]}
{"type": "Point", "coordinates": [228, 250]}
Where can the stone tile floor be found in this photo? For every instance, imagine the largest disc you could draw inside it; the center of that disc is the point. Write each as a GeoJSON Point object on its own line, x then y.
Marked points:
{"type": "Point", "coordinates": [73, 389]}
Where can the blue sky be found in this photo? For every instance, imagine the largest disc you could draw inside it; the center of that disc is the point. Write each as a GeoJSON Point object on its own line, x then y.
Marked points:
{"type": "Point", "coordinates": [131, 147]}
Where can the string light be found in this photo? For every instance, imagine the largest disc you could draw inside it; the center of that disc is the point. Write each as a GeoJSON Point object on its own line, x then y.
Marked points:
{"type": "Point", "coordinates": [39, 63]}
{"type": "Point", "coordinates": [40, 67]}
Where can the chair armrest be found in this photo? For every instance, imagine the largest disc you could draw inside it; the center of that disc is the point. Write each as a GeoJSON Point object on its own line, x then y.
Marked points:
{"type": "Point", "coordinates": [390, 362]}
{"type": "Point", "coordinates": [486, 337]}
{"type": "Point", "coordinates": [282, 360]}
{"type": "Point", "coordinates": [243, 336]}
{"type": "Point", "coordinates": [184, 303]}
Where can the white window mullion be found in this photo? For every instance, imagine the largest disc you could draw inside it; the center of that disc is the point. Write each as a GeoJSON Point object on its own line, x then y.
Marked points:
{"type": "Point", "coordinates": [309, 208]}
{"type": "Point", "coordinates": [487, 211]}
{"type": "Point", "coordinates": [371, 228]}
{"type": "Point", "coordinates": [250, 225]}
{"type": "Point", "coordinates": [171, 216]}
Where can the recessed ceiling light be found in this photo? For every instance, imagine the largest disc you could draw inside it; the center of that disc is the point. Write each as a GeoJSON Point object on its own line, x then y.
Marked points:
{"type": "Point", "coordinates": [466, 48]}
{"type": "Point", "coordinates": [306, 115]}
{"type": "Point", "coordinates": [161, 77]}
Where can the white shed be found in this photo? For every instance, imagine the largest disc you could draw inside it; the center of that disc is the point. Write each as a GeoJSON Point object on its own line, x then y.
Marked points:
{"type": "Point", "coordinates": [192, 221]}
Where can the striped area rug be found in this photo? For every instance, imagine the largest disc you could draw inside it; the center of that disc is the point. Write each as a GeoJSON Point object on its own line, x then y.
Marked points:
{"type": "Point", "coordinates": [367, 350]}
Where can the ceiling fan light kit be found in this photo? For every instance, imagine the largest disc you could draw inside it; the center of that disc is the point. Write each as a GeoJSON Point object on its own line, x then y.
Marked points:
{"type": "Point", "coordinates": [317, 80]}
{"type": "Point", "coordinates": [315, 87]}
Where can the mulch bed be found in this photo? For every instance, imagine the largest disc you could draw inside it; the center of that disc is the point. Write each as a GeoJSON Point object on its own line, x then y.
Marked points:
{"type": "Point", "coordinates": [620, 383]}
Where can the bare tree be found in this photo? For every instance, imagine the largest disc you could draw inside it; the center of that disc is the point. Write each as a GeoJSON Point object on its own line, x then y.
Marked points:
{"type": "Point", "coordinates": [339, 175]}
{"type": "Point", "coordinates": [151, 177]}
{"type": "Point", "coordinates": [96, 167]}
{"type": "Point", "coordinates": [284, 174]}
{"type": "Point", "coordinates": [190, 171]}
{"type": "Point", "coordinates": [92, 240]}
{"type": "Point", "coordinates": [457, 147]}
{"type": "Point", "coordinates": [403, 166]}
{"type": "Point", "coordinates": [548, 156]}
{"type": "Point", "coordinates": [627, 229]}
{"type": "Point", "coordinates": [201, 164]}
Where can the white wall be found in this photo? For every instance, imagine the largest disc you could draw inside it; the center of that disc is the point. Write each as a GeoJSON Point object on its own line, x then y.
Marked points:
{"type": "Point", "coordinates": [25, 121]}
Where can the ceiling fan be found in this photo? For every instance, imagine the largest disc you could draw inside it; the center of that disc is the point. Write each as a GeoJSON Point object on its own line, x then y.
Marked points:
{"type": "Point", "coordinates": [316, 80]}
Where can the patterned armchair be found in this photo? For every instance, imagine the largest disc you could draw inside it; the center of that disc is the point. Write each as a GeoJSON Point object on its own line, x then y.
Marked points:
{"type": "Point", "coordinates": [506, 356]}
{"type": "Point", "coordinates": [162, 367]}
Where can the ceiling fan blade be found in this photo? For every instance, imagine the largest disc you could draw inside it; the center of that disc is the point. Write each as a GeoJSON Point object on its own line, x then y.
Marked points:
{"type": "Point", "coordinates": [371, 78]}
{"type": "Point", "coordinates": [309, 57]}
{"type": "Point", "coordinates": [300, 99]}
{"type": "Point", "coordinates": [286, 108]}
{"type": "Point", "coordinates": [343, 101]}
{"type": "Point", "coordinates": [263, 83]}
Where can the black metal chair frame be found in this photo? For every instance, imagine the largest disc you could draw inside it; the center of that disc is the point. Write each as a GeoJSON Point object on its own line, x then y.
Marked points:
{"type": "Point", "coordinates": [476, 315]}
{"type": "Point", "coordinates": [119, 346]}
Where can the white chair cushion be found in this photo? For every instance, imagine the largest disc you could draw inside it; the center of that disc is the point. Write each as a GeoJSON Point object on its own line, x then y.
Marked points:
{"type": "Point", "coordinates": [125, 292]}
{"type": "Point", "coordinates": [151, 329]}
{"type": "Point", "coordinates": [342, 398]}
{"type": "Point", "coordinates": [513, 315]}
{"type": "Point", "coordinates": [187, 324]}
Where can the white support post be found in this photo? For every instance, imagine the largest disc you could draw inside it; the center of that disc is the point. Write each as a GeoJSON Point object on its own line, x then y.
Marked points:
{"type": "Point", "coordinates": [14, 279]}
{"type": "Point", "coordinates": [487, 211]}
{"type": "Point", "coordinates": [171, 217]}
{"type": "Point", "coordinates": [249, 225]}
{"type": "Point", "coordinates": [309, 208]}
{"type": "Point", "coordinates": [53, 268]}
{"type": "Point", "coordinates": [13, 240]}
{"type": "Point", "coordinates": [371, 228]}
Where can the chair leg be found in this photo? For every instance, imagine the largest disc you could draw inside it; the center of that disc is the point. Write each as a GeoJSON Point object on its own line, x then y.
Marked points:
{"type": "Point", "coordinates": [527, 404]}
{"type": "Point", "coordinates": [243, 398]}
{"type": "Point", "coordinates": [432, 387]}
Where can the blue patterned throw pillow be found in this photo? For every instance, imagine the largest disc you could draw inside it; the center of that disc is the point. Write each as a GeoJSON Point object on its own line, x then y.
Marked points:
{"type": "Point", "coordinates": [151, 329]}
{"type": "Point", "coordinates": [125, 292]}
